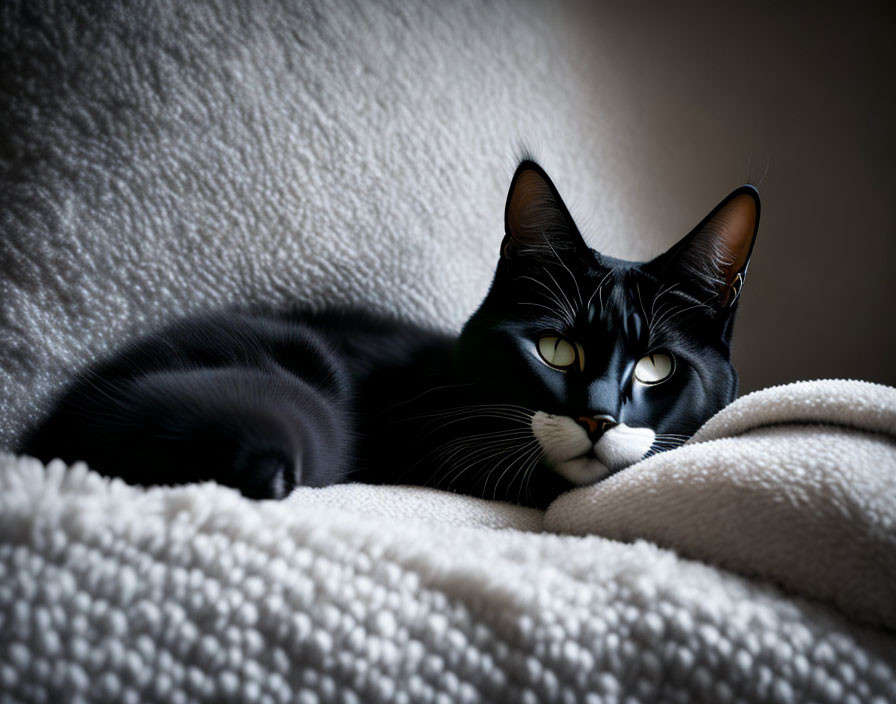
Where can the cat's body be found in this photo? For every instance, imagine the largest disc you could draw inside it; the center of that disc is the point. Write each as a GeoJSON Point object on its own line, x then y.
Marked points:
{"type": "Point", "coordinates": [312, 399]}
{"type": "Point", "coordinates": [575, 366]}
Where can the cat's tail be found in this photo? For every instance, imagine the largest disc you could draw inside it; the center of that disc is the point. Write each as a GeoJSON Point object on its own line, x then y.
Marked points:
{"type": "Point", "coordinates": [261, 431]}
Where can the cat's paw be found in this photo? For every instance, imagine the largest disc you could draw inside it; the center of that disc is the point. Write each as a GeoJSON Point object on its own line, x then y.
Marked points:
{"type": "Point", "coordinates": [268, 474]}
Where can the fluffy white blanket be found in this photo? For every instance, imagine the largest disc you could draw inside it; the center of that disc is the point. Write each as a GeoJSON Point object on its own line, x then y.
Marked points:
{"type": "Point", "coordinates": [795, 483]}
{"type": "Point", "coordinates": [371, 594]}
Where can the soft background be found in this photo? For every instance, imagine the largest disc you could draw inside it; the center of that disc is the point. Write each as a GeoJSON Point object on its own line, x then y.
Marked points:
{"type": "Point", "coordinates": [161, 157]}
{"type": "Point", "coordinates": [711, 93]}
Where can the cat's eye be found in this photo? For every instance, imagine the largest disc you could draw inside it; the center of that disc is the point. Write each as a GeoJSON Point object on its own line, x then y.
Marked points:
{"type": "Point", "coordinates": [561, 354]}
{"type": "Point", "coordinates": [654, 368]}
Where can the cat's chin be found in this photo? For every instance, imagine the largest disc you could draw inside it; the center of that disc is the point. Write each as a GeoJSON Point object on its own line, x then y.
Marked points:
{"type": "Point", "coordinates": [582, 471]}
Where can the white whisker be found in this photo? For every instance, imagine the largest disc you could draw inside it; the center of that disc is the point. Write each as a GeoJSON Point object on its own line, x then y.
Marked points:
{"type": "Point", "coordinates": [535, 452]}
{"type": "Point", "coordinates": [478, 461]}
{"type": "Point", "coordinates": [530, 470]}
{"type": "Point", "coordinates": [561, 310]}
{"type": "Point", "coordinates": [521, 455]}
{"type": "Point", "coordinates": [596, 290]}
{"type": "Point", "coordinates": [571, 275]}
{"type": "Point", "coordinates": [569, 306]}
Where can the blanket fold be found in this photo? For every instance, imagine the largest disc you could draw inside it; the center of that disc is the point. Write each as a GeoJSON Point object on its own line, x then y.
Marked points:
{"type": "Point", "coordinates": [795, 484]}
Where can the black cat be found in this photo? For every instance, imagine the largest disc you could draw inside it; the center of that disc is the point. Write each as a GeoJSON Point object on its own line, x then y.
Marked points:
{"type": "Point", "coordinates": [575, 366]}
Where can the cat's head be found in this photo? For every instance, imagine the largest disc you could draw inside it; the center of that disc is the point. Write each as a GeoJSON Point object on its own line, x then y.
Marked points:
{"type": "Point", "coordinates": [600, 361]}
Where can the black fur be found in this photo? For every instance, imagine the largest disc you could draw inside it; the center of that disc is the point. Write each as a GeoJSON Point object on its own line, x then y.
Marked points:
{"type": "Point", "coordinates": [266, 402]}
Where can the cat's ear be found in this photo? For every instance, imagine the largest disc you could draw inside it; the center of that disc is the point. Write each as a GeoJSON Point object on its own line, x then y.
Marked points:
{"type": "Point", "coordinates": [535, 219]}
{"type": "Point", "coordinates": [712, 259]}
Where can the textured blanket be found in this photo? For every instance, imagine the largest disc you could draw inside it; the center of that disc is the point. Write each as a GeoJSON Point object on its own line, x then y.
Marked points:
{"type": "Point", "coordinates": [794, 483]}
{"type": "Point", "coordinates": [376, 594]}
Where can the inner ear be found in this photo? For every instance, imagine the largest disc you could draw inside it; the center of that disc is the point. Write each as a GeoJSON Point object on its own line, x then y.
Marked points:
{"type": "Point", "coordinates": [716, 254]}
{"type": "Point", "coordinates": [535, 218]}
{"type": "Point", "coordinates": [735, 228]}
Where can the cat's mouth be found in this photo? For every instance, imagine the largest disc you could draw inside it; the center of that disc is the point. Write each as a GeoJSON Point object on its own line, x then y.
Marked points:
{"type": "Point", "coordinates": [570, 452]}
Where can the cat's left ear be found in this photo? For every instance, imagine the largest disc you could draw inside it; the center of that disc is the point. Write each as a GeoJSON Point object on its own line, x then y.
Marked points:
{"type": "Point", "coordinates": [535, 219]}
{"type": "Point", "coordinates": [712, 260]}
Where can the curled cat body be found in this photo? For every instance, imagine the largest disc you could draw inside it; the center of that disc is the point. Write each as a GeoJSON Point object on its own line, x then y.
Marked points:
{"type": "Point", "coordinates": [575, 366]}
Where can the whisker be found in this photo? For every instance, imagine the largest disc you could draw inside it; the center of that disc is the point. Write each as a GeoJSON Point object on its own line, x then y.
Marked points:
{"type": "Point", "coordinates": [660, 293]}
{"type": "Point", "coordinates": [509, 414]}
{"type": "Point", "coordinates": [470, 464]}
{"type": "Point", "coordinates": [471, 442]}
{"type": "Point", "coordinates": [675, 312]}
{"type": "Point", "coordinates": [535, 451]}
{"type": "Point", "coordinates": [514, 412]}
{"type": "Point", "coordinates": [570, 308]}
{"type": "Point", "coordinates": [473, 458]}
{"type": "Point", "coordinates": [511, 457]}
{"type": "Point", "coordinates": [663, 446]}
{"type": "Point", "coordinates": [563, 264]}
{"type": "Point", "coordinates": [640, 301]}
{"type": "Point", "coordinates": [530, 470]}
{"type": "Point", "coordinates": [539, 305]}
{"type": "Point", "coordinates": [480, 440]}
{"type": "Point", "coordinates": [522, 454]}
{"type": "Point", "coordinates": [650, 322]}
{"type": "Point", "coordinates": [513, 432]}
{"type": "Point", "coordinates": [467, 415]}
{"type": "Point", "coordinates": [421, 395]}
{"type": "Point", "coordinates": [562, 310]}
{"type": "Point", "coordinates": [596, 290]}
{"type": "Point", "coordinates": [519, 426]}
{"type": "Point", "coordinates": [550, 291]}
{"type": "Point", "coordinates": [490, 405]}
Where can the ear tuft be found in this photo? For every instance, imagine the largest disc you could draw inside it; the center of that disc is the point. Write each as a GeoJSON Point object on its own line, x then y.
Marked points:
{"type": "Point", "coordinates": [714, 257]}
{"type": "Point", "coordinates": [535, 218]}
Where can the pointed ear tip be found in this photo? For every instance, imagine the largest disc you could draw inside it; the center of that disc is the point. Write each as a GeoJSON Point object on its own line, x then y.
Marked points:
{"type": "Point", "coordinates": [748, 189]}
{"type": "Point", "coordinates": [748, 199]}
{"type": "Point", "coordinates": [529, 176]}
{"type": "Point", "coordinates": [528, 164]}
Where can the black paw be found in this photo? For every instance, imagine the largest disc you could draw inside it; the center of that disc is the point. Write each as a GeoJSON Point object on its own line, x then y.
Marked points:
{"type": "Point", "coordinates": [265, 474]}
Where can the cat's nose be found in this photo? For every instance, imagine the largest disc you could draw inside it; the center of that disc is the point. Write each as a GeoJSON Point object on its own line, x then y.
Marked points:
{"type": "Point", "coordinates": [596, 426]}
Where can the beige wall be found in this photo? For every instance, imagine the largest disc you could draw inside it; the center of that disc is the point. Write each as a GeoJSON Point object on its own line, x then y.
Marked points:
{"type": "Point", "coordinates": [704, 99]}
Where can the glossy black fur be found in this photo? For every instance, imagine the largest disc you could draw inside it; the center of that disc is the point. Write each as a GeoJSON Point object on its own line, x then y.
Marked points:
{"type": "Point", "coordinates": [262, 402]}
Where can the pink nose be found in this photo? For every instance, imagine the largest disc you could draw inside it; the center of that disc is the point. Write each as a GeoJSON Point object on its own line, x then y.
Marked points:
{"type": "Point", "coordinates": [596, 426]}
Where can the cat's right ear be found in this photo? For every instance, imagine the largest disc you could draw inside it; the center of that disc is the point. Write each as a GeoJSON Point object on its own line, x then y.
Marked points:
{"type": "Point", "coordinates": [535, 219]}
{"type": "Point", "coordinates": [712, 260]}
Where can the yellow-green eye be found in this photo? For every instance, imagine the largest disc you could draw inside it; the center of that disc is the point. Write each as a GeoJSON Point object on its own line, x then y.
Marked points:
{"type": "Point", "coordinates": [654, 368]}
{"type": "Point", "coordinates": [559, 353]}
